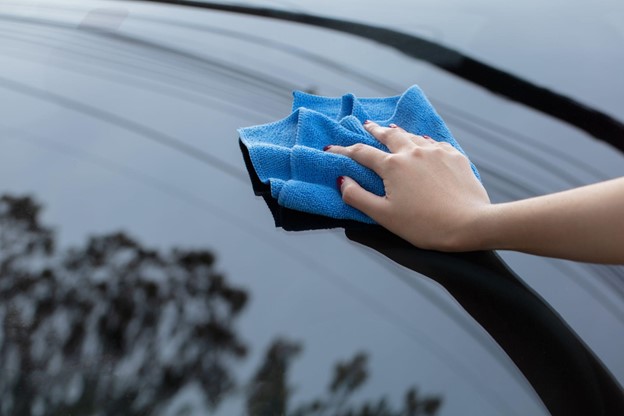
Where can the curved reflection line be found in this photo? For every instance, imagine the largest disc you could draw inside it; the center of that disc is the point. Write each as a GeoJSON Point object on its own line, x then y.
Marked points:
{"type": "Point", "coordinates": [164, 78]}
{"type": "Point", "coordinates": [335, 279]}
{"type": "Point", "coordinates": [584, 117]}
{"type": "Point", "coordinates": [227, 69]}
{"type": "Point", "coordinates": [518, 150]}
{"type": "Point", "coordinates": [584, 283]}
{"type": "Point", "coordinates": [150, 84]}
{"type": "Point", "coordinates": [526, 190]}
{"type": "Point", "coordinates": [265, 42]}
{"type": "Point", "coordinates": [127, 124]}
{"type": "Point", "coordinates": [514, 137]}
{"type": "Point", "coordinates": [277, 89]}
{"type": "Point", "coordinates": [611, 275]}
{"type": "Point", "coordinates": [264, 81]}
{"type": "Point", "coordinates": [286, 48]}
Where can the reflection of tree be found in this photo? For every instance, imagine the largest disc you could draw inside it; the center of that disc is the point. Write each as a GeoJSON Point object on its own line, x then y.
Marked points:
{"type": "Point", "coordinates": [269, 391]}
{"type": "Point", "coordinates": [110, 324]}
{"type": "Point", "coordinates": [114, 328]}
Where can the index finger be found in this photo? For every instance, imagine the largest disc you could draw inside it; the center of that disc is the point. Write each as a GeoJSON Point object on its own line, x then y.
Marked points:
{"type": "Point", "coordinates": [363, 154]}
{"type": "Point", "coordinates": [394, 138]}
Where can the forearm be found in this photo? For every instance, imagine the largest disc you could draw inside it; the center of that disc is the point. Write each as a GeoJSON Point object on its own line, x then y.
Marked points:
{"type": "Point", "coordinates": [585, 224]}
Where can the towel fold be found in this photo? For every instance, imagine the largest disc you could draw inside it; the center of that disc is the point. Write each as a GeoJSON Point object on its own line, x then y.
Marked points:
{"type": "Point", "coordinates": [289, 219]}
{"type": "Point", "coordinates": [289, 168]}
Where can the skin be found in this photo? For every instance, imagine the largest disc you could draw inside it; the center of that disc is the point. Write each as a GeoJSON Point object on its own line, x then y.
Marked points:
{"type": "Point", "coordinates": [434, 201]}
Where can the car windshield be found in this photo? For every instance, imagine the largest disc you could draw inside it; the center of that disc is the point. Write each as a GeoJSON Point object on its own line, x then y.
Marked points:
{"type": "Point", "coordinates": [139, 273]}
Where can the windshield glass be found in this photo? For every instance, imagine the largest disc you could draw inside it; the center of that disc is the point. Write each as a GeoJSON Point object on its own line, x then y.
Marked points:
{"type": "Point", "coordinates": [140, 274]}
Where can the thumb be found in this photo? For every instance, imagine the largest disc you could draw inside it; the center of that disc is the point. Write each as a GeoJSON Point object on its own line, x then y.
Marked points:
{"type": "Point", "coordinates": [359, 198]}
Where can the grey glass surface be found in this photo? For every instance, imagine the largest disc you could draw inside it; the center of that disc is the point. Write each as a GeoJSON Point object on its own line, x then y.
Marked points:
{"type": "Point", "coordinates": [114, 113]}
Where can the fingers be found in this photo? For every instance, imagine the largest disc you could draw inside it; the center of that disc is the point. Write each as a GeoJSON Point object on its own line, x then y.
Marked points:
{"type": "Point", "coordinates": [356, 196]}
{"type": "Point", "coordinates": [415, 139]}
{"type": "Point", "coordinates": [363, 154]}
{"type": "Point", "coordinates": [394, 137]}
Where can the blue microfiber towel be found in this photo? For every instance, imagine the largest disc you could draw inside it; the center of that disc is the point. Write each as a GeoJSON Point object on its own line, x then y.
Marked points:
{"type": "Point", "coordinates": [288, 155]}
{"type": "Point", "coordinates": [292, 220]}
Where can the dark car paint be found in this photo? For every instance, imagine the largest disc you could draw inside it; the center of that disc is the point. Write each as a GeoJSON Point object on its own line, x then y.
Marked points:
{"type": "Point", "coordinates": [566, 375]}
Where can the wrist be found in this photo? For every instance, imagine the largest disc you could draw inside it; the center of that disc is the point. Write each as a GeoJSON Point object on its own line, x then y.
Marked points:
{"type": "Point", "coordinates": [480, 231]}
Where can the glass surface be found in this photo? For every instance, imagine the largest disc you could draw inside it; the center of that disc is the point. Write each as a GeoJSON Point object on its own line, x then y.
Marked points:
{"type": "Point", "coordinates": [152, 280]}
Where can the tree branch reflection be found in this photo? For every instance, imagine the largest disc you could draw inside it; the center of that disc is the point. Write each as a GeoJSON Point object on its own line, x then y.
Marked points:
{"type": "Point", "coordinates": [113, 327]}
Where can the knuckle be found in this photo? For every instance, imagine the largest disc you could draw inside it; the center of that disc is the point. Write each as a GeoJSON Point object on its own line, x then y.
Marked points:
{"type": "Point", "coordinates": [396, 131]}
{"type": "Point", "coordinates": [388, 158]}
{"type": "Point", "coordinates": [357, 148]}
{"type": "Point", "coordinates": [416, 152]}
{"type": "Point", "coordinates": [459, 154]}
{"type": "Point", "coordinates": [462, 158]}
{"type": "Point", "coordinates": [459, 158]}
{"type": "Point", "coordinates": [392, 162]}
{"type": "Point", "coordinates": [381, 132]}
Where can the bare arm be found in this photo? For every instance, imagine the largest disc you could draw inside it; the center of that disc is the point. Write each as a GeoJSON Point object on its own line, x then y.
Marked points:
{"type": "Point", "coordinates": [434, 201]}
{"type": "Point", "coordinates": [585, 223]}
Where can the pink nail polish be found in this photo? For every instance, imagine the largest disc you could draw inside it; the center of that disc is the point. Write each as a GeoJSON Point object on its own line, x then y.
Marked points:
{"type": "Point", "coordinates": [392, 126]}
{"type": "Point", "coordinates": [339, 182]}
{"type": "Point", "coordinates": [326, 148]}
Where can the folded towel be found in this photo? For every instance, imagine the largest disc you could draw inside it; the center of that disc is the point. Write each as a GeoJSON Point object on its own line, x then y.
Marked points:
{"type": "Point", "coordinates": [289, 219]}
{"type": "Point", "coordinates": [288, 157]}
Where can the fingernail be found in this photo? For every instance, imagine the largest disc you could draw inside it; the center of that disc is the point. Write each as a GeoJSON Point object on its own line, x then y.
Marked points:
{"type": "Point", "coordinates": [326, 148]}
{"type": "Point", "coordinates": [392, 126]}
{"type": "Point", "coordinates": [367, 121]}
{"type": "Point", "coordinates": [427, 137]}
{"type": "Point", "coordinates": [339, 182]}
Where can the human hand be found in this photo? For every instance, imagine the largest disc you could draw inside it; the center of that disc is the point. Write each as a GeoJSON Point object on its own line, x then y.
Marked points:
{"type": "Point", "coordinates": [433, 200]}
